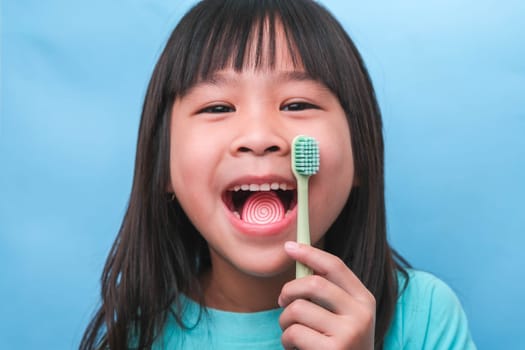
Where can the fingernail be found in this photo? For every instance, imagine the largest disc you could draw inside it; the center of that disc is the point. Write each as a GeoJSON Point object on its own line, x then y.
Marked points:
{"type": "Point", "coordinates": [279, 302]}
{"type": "Point", "coordinates": [291, 246]}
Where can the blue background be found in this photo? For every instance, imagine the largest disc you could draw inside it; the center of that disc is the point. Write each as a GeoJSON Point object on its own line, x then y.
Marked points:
{"type": "Point", "coordinates": [450, 78]}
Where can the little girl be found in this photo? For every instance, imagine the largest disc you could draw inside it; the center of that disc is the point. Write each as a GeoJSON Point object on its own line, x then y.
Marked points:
{"type": "Point", "coordinates": [236, 82]}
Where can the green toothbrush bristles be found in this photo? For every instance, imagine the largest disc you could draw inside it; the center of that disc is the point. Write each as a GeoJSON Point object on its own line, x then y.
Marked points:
{"type": "Point", "coordinates": [305, 155]}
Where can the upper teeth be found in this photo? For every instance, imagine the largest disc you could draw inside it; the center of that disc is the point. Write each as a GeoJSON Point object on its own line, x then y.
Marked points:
{"type": "Point", "coordinates": [262, 187]}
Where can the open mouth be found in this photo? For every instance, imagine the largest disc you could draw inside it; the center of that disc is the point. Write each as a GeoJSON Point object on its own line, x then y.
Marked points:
{"type": "Point", "coordinates": [260, 204]}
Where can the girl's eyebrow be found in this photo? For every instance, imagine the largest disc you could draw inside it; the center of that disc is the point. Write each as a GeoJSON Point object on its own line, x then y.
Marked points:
{"type": "Point", "coordinates": [295, 75]}
{"type": "Point", "coordinates": [300, 76]}
{"type": "Point", "coordinates": [220, 78]}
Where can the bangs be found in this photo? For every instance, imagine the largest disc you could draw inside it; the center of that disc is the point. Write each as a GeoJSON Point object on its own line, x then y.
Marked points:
{"type": "Point", "coordinates": [244, 39]}
{"type": "Point", "coordinates": [243, 34]}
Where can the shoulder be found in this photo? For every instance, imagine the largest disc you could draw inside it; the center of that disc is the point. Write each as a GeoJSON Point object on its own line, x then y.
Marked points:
{"type": "Point", "coordinates": [428, 315]}
{"type": "Point", "coordinates": [424, 286]}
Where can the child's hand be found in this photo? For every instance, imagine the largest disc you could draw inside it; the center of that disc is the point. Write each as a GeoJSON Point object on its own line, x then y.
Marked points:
{"type": "Point", "coordinates": [329, 310]}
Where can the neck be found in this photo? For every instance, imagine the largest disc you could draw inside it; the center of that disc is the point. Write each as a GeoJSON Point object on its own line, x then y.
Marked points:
{"type": "Point", "coordinates": [227, 288]}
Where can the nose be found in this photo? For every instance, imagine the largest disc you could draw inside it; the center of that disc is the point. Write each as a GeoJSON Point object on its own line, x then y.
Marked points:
{"type": "Point", "coordinates": [259, 138]}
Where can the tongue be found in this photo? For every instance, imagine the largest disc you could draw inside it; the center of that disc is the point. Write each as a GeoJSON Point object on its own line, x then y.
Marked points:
{"type": "Point", "coordinates": [263, 208]}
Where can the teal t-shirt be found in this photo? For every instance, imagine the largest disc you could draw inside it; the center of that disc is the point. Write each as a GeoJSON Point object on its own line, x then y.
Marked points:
{"type": "Point", "coordinates": [428, 315]}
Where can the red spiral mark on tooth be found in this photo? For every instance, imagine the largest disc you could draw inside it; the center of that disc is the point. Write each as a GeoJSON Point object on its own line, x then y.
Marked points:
{"type": "Point", "coordinates": [263, 208]}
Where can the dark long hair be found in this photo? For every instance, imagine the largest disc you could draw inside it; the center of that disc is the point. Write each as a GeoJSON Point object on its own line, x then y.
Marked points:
{"type": "Point", "coordinates": [158, 253]}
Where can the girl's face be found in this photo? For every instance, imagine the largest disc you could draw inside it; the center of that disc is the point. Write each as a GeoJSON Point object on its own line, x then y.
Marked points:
{"type": "Point", "coordinates": [235, 131]}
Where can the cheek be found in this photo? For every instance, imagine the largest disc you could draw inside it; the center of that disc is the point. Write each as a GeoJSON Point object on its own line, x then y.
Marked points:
{"type": "Point", "coordinates": [336, 158]}
{"type": "Point", "coordinates": [188, 151]}
{"type": "Point", "coordinates": [331, 187]}
{"type": "Point", "coordinates": [186, 155]}
{"type": "Point", "coordinates": [179, 164]}
{"type": "Point", "coordinates": [187, 184]}
{"type": "Point", "coordinates": [193, 170]}
{"type": "Point", "coordinates": [334, 188]}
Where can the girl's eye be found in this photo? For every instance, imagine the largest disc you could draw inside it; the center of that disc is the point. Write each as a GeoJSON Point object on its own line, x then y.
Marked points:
{"type": "Point", "coordinates": [217, 109]}
{"type": "Point", "coordinates": [298, 106]}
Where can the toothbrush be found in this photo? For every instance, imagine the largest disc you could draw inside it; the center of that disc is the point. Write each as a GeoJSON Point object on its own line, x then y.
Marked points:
{"type": "Point", "coordinates": [305, 163]}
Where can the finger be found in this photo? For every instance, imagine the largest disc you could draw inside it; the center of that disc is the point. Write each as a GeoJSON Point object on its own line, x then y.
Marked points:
{"type": "Point", "coordinates": [310, 315]}
{"type": "Point", "coordinates": [308, 326]}
{"type": "Point", "coordinates": [330, 267]}
{"type": "Point", "coordinates": [300, 337]}
{"type": "Point", "coordinates": [320, 291]}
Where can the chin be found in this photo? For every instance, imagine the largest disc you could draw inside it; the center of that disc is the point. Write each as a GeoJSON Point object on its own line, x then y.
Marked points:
{"type": "Point", "coordinates": [278, 268]}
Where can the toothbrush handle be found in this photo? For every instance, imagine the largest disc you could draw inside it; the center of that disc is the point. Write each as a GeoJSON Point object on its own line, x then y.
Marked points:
{"type": "Point", "coordinates": [303, 226]}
